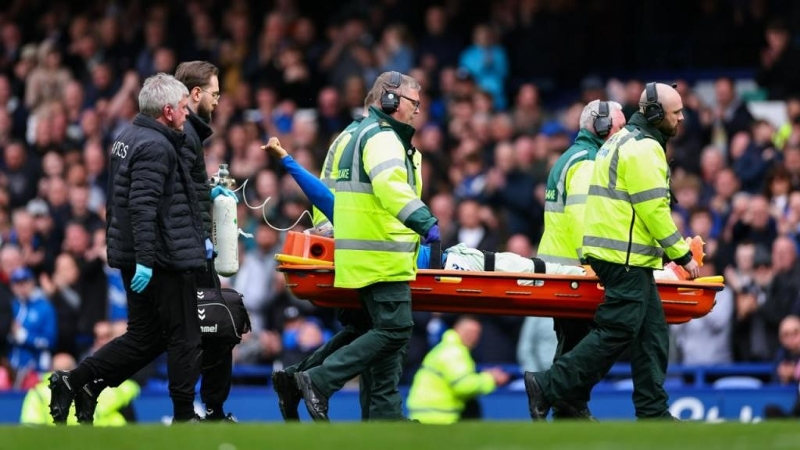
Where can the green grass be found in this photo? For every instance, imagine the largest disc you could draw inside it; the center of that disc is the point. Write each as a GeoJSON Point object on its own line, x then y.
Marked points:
{"type": "Point", "coordinates": [408, 436]}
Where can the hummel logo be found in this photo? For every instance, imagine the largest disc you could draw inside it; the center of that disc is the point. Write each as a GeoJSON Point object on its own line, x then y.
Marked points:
{"type": "Point", "coordinates": [201, 316]}
{"type": "Point", "coordinates": [208, 329]}
{"type": "Point", "coordinates": [201, 294]}
{"type": "Point", "coordinates": [201, 311]}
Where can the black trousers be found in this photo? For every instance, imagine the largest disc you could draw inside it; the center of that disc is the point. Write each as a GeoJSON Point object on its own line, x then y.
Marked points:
{"type": "Point", "coordinates": [163, 317]}
{"type": "Point", "coordinates": [216, 371]}
{"type": "Point", "coordinates": [216, 368]}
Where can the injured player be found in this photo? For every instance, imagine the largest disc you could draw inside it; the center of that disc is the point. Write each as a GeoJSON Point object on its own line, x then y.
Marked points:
{"type": "Point", "coordinates": [457, 257]}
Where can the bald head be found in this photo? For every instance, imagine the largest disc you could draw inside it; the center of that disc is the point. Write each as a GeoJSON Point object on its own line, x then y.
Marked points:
{"type": "Point", "coordinates": [672, 104]}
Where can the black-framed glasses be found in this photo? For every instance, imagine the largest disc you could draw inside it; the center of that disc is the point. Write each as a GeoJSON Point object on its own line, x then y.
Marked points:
{"type": "Point", "coordinates": [416, 103]}
{"type": "Point", "coordinates": [214, 95]}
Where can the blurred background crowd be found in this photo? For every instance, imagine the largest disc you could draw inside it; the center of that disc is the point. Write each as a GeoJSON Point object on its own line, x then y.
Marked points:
{"type": "Point", "coordinates": [503, 85]}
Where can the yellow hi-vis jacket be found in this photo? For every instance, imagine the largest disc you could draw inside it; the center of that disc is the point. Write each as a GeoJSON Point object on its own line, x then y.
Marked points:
{"type": "Point", "coordinates": [627, 214]}
{"type": "Point", "coordinates": [331, 160]}
{"type": "Point", "coordinates": [36, 405]}
{"type": "Point", "coordinates": [444, 383]}
{"type": "Point", "coordinates": [378, 210]}
{"type": "Point", "coordinates": [565, 201]}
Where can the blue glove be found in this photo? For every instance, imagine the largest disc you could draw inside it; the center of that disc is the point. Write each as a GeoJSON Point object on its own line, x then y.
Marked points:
{"type": "Point", "coordinates": [219, 190]}
{"type": "Point", "coordinates": [141, 278]}
{"type": "Point", "coordinates": [209, 249]}
{"type": "Point", "coordinates": [432, 235]}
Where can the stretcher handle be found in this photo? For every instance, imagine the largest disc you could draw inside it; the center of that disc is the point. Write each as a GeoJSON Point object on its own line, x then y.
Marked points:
{"type": "Point", "coordinates": [299, 260]}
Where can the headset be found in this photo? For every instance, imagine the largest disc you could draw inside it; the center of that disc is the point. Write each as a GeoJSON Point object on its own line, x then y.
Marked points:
{"type": "Point", "coordinates": [653, 110]}
{"type": "Point", "coordinates": [390, 100]}
{"type": "Point", "coordinates": [602, 120]}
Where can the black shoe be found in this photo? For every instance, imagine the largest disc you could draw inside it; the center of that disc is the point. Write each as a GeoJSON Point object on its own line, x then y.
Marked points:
{"type": "Point", "coordinates": [316, 403]}
{"type": "Point", "coordinates": [213, 416]}
{"type": "Point", "coordinates": [61, 396]}
{"type": "Point", "coordinates": [289, 395]}
{"type": "Point", "coordinates": [86, 403]}
{"type": "Point", "coordinates": [571, 410]}
{"type": "Point", "coordinates": [537, 404]}
{"type": "Point", "coordinates": [193, 419]}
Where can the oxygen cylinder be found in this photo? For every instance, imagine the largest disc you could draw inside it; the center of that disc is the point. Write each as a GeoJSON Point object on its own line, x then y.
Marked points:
{"type": "Point", "coordinates": [225, 230]}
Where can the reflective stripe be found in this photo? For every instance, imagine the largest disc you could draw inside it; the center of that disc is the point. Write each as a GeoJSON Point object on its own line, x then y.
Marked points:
{"type": "Point", "coordinates": [460, 379]}
{"type": "Point", "coordinates": [432, 410]}
{"type": "Point", "coordinates": [328, 170]}
{"type": "Point", "coordinates": [612, 168]}
{"type": "Point", "coordinates": [613, 194]}
{"type": "Point", "coordinates": [409, 209]}
{"type": "Point", "coordinates": [559, 259]}
{"type": "Point", "coordinates": [622, 246]}
{"type": "Point", "coordinates": [386, 165]}
{"type": "Point", "coordinates": [355, 172]}
{"type": "Point", "coordinates": [433, 371]}
{"type": "Point", "coordinates": [562, 177]}
{"type": "Point", "coordinates": [576, 199]}
{"type": "Point", "coordinates": [378, 246]}
{"type": "Point", "coordinates": [441, 375]}
{"type": "Point", "coordinates": [353, 186]}
{"type": "Point", "coordinates": [670, 240]}
{"type": "Point", "coordinates": [650, 194]}
{"type": "Point", "coordinates": [328, 182]}
{"type": "Point", "coordinates": [553, 207]}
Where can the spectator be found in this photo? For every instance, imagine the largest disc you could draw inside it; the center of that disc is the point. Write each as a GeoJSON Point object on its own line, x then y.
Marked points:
{"type": "Point", "coordinates": [487, 61]}
{"type": "Point", "coordinates": [779, 73]}
{"type": "Point", "coordinates": [788, 367]}
{"type": "Point", "coordinates": [34, 330]}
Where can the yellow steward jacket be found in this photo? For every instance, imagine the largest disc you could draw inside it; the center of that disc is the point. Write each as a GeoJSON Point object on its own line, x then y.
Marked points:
{"type": "Point", "coordinates": [446, 380]}
{"type": "Point", "coordinates": [627, 217]}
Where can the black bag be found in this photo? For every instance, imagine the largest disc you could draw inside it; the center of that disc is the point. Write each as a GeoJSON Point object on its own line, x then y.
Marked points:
{"type": "Point", "coordinates": [223, 317]}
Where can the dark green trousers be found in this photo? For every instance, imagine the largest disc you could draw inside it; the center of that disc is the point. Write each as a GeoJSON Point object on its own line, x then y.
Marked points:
{"type": "Point", "coordinates": [569, 333]}
{"type": "Point", "coordinates": [630, 316]}
{"type": "Point", "coordinates": [381, 351]}
{"type": "Point", "coordinates": [356, 322]}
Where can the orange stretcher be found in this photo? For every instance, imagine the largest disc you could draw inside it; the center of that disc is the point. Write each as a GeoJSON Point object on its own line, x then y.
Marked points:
{"type": "Point", "coordinates": [307, 264]}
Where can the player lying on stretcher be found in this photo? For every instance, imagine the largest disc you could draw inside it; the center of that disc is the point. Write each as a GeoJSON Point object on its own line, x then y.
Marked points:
{"type": "Point", "coordinates": [457, 257]}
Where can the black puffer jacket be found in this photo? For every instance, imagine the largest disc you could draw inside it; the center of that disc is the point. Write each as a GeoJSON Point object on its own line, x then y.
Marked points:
{"type": "Point", "coordinates": [153, 213]}
{"type": "Point", "coordinates": [197, 131]}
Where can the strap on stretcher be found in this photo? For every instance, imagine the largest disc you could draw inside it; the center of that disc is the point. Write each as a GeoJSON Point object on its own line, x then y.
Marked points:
{"type": "Point", "coordinates": [489, 262]}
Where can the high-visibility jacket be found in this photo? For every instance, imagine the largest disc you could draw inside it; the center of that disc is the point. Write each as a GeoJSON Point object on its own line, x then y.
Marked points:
{"type": "Point", "coordinates": [445, 382]}
{"type": "Point", "coordinates": [378, 210]}
{"type": "Point", "coordinates": [565, 200]}
{"type": "Point", "coordinates": [331, 160]}
{"type": "Point", "coordinates": [627, 217]}
{"type": "Point", "coordinates": [36, 405]}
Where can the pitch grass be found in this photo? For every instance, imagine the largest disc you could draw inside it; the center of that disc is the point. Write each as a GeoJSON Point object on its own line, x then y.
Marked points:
{"type": "Point", "coordinates": [409, 436]}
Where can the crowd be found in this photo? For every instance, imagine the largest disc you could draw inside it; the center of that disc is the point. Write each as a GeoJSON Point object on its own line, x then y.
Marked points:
{"type": "Point", "coordinates": [69, 79]}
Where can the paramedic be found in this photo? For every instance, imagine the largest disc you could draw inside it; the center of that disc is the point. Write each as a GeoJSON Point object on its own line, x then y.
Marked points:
{"type": "Point", "coordinates": [355, 322]}
{"type": "Point", "coordinates": [628, 227]}
{"type": "Point", "coordinates": [567, 187]}
{"type": "Point", "coordinates": [379, 220]}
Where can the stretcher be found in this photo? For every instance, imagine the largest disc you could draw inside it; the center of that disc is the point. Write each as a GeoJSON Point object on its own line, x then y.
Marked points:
{"type": "Point", "coordinates": [307, 265]}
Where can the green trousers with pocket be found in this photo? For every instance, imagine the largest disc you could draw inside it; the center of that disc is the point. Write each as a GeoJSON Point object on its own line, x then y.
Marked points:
{"type": "Point", "coordinates": [356, 322]}
{"type": "Point", "coordinates": [631, 315]}
{"type": "Point", "coordinates": [381, 350]}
